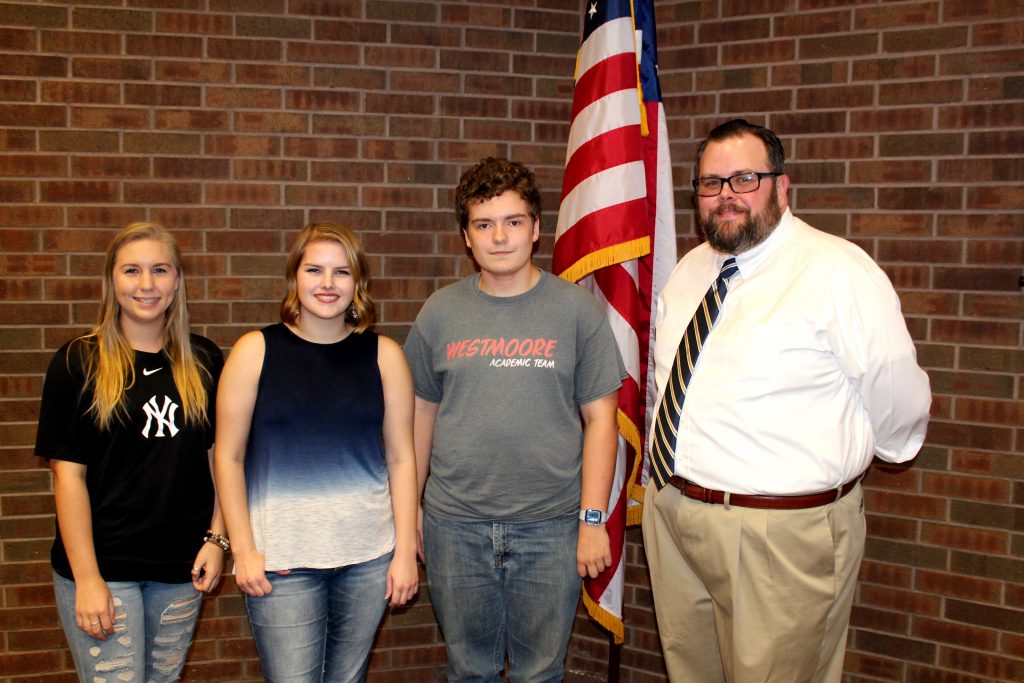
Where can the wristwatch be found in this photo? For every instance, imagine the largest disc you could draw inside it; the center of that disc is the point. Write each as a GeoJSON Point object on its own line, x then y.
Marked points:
{"type": "Point", "coordinates": [595, 517]}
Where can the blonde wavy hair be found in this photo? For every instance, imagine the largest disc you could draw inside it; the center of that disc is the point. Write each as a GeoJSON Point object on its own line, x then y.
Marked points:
{"type": "Point", "coordinates": [362, 314]}
{"type": "Point", "coordinates": [108, 358]}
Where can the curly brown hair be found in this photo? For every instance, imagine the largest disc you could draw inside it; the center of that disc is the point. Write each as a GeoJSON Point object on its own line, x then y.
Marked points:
{"type": "Point", "coordinates": [490, 178]}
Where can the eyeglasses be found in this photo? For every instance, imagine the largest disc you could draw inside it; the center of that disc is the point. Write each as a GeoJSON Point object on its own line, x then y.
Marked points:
{"type": "Point", "coordinates": [741, 183]}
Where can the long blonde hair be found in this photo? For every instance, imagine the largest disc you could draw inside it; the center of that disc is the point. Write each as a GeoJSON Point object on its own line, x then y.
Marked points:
{"type": "Point", "coordinates": [362, 314]}
{"type": "Point", "coordinates": [108, 358]}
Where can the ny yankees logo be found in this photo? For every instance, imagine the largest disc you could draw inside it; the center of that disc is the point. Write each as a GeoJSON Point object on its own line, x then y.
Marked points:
{"type": "Point", "coordinates": [164, 416]}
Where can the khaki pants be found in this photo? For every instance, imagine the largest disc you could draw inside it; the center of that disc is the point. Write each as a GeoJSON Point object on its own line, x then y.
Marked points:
{"type": "Point", "coordinates": [752, 596]}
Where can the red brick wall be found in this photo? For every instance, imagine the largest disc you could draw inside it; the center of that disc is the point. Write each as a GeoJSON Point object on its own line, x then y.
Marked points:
{"type": "Point", "coordinates": [237, 121]}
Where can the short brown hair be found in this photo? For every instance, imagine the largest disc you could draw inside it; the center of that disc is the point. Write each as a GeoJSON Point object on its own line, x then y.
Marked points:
{"type": "Point", "coordinates": [739, 127]}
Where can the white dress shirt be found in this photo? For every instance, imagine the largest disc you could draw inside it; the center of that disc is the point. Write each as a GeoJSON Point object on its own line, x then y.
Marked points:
{"type": "Point", "coordinates": [808, 371]}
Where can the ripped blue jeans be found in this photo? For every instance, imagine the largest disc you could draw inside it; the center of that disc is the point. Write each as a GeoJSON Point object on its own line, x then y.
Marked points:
{"type": "Point", "coordinates": [153, 625]}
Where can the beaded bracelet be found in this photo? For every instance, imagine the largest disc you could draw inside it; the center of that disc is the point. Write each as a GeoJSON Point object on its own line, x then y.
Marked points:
{"type": "Point", "coordinates": [216, 539]}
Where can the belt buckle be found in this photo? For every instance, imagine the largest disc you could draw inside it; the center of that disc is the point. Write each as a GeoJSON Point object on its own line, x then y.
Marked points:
{"type": "Point", "coordinates": [705, 495]}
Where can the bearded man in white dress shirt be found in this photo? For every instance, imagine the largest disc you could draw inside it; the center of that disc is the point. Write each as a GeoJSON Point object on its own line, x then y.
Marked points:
{"type": "Point", "coordinates": [755, 532]}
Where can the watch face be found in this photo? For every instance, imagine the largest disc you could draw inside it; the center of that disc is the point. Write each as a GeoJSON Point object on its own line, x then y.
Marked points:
{"type": "Point", "coordinates": [592, 517]}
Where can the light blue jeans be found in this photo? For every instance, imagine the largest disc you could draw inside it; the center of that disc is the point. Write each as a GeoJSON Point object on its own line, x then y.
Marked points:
{"type": "Point", "coordinates": [153, 625]}
{"type": "Point", "coordinates": [503, 589]}
{"type": "Point", "coordinates": [318, 624]}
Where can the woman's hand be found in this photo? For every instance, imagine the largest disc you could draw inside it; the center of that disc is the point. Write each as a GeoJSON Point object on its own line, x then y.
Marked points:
{"type": "Point", "coordinates": [250, 573]}
{"type": "Point", "coordinates": [403, 579]}
{"type": "Point", "coordinates": [209, 565]}
{"type": "Point", "coordinates": [94, 608]}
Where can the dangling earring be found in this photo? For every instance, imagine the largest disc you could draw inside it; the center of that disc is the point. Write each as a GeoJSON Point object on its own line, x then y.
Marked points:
{"type": "Point", "coordinates": [352, 313]}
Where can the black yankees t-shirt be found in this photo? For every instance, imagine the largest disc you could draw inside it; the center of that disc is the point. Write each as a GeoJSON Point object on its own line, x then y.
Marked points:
{"type": "Point", "coordinates": [148, 475]}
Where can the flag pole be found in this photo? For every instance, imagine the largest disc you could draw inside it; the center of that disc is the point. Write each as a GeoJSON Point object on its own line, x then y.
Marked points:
{"type": "Point", "coordinates": [614, 657]}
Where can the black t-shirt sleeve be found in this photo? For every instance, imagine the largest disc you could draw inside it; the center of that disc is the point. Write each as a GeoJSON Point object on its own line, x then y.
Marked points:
{"type": "Point", "coordinates": [62, 410]}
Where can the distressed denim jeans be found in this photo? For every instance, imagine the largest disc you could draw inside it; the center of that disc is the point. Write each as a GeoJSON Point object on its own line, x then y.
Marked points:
{"type": "Point", "coordinates": [503, 589]}
{"type": "Point", "coordinates": [153, 625]}
{"type": "Point", "coordinates": [318, 624]}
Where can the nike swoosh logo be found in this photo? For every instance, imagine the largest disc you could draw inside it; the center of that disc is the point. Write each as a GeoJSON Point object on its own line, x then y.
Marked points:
{"type": "Point", "coordinates": [147, 373]}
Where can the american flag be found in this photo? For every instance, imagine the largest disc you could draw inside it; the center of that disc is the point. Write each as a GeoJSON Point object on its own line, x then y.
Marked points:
{"type": "Point", "coordinates": [616, 236]}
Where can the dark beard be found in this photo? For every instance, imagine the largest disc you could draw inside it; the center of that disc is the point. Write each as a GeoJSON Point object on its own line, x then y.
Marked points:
{"type": "Point", "coordinates": [749, 234]}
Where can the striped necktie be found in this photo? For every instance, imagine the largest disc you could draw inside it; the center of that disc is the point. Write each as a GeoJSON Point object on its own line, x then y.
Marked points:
{"type": "Point", "coordinates": [667, 420]}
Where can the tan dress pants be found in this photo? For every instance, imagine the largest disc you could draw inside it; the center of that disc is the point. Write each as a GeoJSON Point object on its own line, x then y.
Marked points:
{"type": "Point", "coordinates": [746, 595]}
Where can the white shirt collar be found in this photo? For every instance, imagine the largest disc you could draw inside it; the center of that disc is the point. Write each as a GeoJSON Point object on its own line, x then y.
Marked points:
{"type": "Point", "coordinates": [752, 259]}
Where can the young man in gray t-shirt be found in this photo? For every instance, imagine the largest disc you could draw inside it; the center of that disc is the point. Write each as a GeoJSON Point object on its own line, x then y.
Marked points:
{"type": "Point", "coordinates": [516, 375]}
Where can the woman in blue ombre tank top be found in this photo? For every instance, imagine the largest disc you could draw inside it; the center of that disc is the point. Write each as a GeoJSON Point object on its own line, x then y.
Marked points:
{"type": "Point", "coordinates": [315, 468]}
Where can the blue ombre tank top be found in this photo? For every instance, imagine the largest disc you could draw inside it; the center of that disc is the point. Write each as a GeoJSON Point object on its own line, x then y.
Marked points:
{"type": "Point", "coordinates": [315, 470]}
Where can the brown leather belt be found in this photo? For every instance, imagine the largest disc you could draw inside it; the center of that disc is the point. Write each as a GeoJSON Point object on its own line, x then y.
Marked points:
{"type": "Point", "coordinates": [799, 502]}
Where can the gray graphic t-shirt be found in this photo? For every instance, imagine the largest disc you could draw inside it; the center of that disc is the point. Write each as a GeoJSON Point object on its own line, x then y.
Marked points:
{"type": "Point", "coordinates": [510, 374]}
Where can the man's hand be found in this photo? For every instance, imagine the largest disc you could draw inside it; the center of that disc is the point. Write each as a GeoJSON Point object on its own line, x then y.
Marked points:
{"type": "Point", "coordinates": [593, 550]}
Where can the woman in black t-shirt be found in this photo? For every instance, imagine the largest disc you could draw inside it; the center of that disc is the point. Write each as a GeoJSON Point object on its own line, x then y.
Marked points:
{"type": "Point", "coordinates": [127, 423]}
